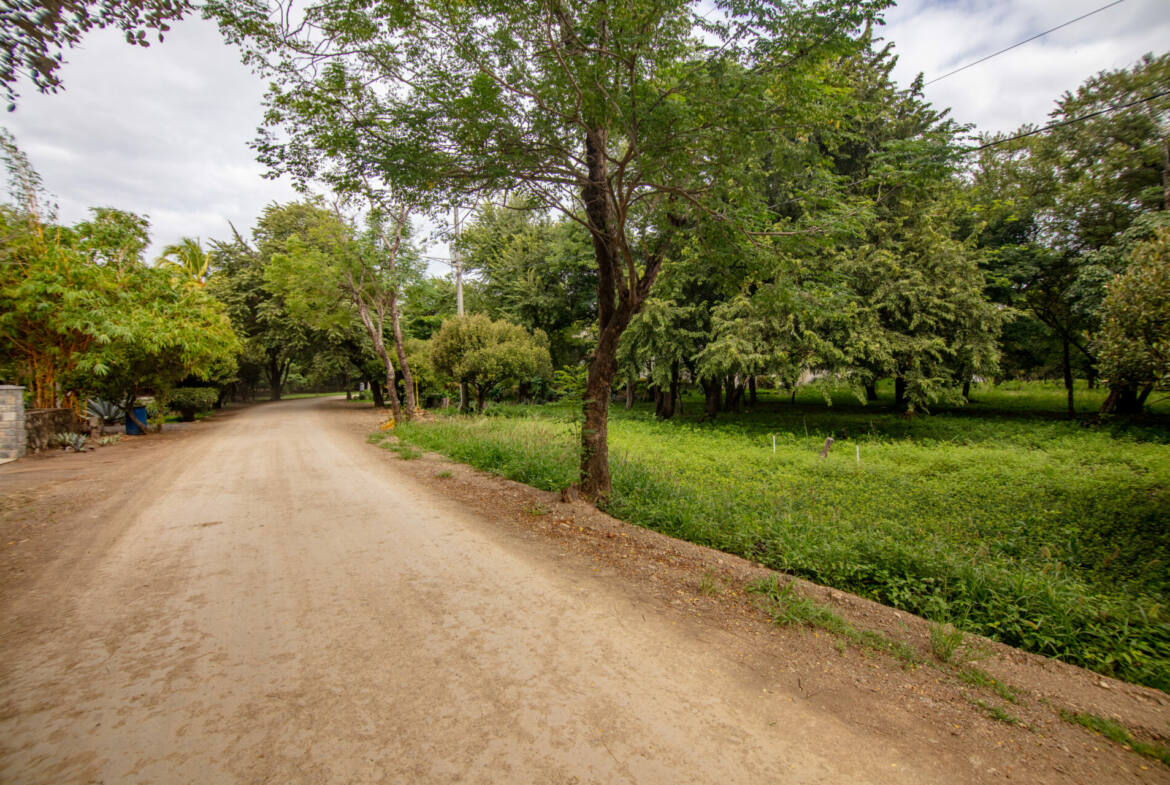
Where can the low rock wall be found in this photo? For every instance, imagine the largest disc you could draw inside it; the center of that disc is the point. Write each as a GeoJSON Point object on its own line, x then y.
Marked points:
{"type": "Point", "coordinates": [41, 424]}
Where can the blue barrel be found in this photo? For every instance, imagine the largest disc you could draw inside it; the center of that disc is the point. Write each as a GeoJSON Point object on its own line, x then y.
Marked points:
{"type": "Point", "coordinates": [132, 428]}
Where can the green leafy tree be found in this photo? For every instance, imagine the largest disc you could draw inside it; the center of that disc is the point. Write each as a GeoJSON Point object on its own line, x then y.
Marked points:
{"type": "Point", "coordinates": [617, 114]}
{"type": "Point", "coordinates": [188, 257]}
{"type": "Point", "coordinates": [535, 271]}
{"type": "Point", "coordinates": [1059, 206]}
{"type": "Point", "coordinates": [1134, 341]}
{"type": "Point", "coordinates": [274, 340]}
{"type": "Point", "coordinates": [485, 354]}
{"type": "Point", "coordinates": [428, 302]}
{"type": "Point", "coordinates": [165, 331]}
{"type": "Point", "coordinates": [329, 274]}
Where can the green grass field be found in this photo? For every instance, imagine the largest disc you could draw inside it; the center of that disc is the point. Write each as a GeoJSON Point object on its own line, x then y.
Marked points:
{"type": "Point", "coordinates": [1000, 517]}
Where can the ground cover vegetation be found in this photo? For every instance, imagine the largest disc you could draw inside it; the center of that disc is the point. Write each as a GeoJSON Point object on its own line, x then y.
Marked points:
{"type": "Point", "coordinates": [1033, 531]}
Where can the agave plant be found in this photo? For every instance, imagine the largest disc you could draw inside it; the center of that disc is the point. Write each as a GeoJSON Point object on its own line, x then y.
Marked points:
{"type": "Point", "coordinates": [109, 411]}
{"type": "Point", "coordinates": [70, 441]}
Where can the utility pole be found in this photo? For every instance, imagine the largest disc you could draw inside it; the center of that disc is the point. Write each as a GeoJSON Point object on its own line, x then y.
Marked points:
{"type": "Point", "coordinates": [458, 263]}
{"type": "Point", "coordinates": [458, 267]}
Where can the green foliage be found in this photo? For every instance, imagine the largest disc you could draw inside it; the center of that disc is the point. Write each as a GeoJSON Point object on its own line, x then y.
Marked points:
{"type": "Point", "coordinates": [188, 259]}
{"type": "Point", "coordinates": [570, 382]}
{"type": "Point", "coordinates": [789, 608]}
{"type": "Point", "coordinates": [534, 271]}
{"type": "Point", "coordinates": [81, 313]}
{"type": "Point", "coordinates": [486, 354]}
{"type": "Point", "coordinates": [274, 340]}
{"type": "Point", "coordinates": [1118, 733]}
{"type": "Point", "coordinates": [162, 334]}
{"type": "Point", "coordinates": [1054, 230]}
{"type": "Point", "coordinates": [1037, 533]}
{"type": "Point", "coordinates": [1134, 342]}
{"type": "Point", "coordinates": [188, 401]}
{"type": "Point", "coordinates": [69, 441]}
{"type": "Point", "coordinates": [108, 411]}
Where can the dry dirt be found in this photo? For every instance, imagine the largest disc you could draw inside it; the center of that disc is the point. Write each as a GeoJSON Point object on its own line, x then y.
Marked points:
{"type": "Point", "coordinates": [266, 598]}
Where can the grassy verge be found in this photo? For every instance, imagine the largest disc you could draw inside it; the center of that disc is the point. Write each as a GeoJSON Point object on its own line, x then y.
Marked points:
{"type": "Point", "coordinates": [1035, 532]}
{"type": "Point", "coordinates": [1118, 733]}
{"type": "Point", "coordinates": [786, 608]}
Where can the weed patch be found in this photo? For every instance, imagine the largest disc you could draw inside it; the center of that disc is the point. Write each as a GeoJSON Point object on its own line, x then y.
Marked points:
{"type": "Point", "coordinates": [977, 677]}
{"type": "Point", "coordinates": [786, 608]}
{"type": "Point", "coordinates": [1118, 733]}
{"type": "Point", "coordinates": [1000, 714]}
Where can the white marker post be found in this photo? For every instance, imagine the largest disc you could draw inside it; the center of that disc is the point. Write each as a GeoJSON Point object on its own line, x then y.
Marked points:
{"type": "Point", "coordinates": [773, 444]}
{"type": "Point", "coordinates": [859, 455]}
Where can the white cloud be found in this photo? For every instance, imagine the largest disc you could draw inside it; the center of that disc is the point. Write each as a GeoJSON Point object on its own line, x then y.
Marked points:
{"type": "Point", "coordinates": [1020, 86]}
{"type": "Point", "coordinates": [161, 131]}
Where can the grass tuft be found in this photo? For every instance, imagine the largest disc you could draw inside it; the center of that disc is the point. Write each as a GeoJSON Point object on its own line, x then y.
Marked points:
{"type": "Point", "coordinates": [977, 677]}
{"type": "Point", "coordinates": [786, 608]}
{"type": "Point", "coordinates": [1119, 733]}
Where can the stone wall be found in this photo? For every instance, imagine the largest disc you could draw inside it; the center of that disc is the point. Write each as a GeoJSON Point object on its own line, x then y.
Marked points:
{"type": "Point", "coordinates": [41, 424]}
{"type": "Point", "coordinates": [12, 434]}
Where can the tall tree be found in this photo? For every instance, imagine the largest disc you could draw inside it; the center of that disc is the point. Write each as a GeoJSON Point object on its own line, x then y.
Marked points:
{"type": "Point", "coordinates": [1059, 206]}
{"type": "Point", "coordinates": [485, 354]}
{"type": "Point", "coordinates": [617, 114]}
{"type": "Point", "coordinates": [535, 271]}
{"type": "Point", "coordinates": [330, 273]}
{"type": "Point", "coordinates": [273, 338]}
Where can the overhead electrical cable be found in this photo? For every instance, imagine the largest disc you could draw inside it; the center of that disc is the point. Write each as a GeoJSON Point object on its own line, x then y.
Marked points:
{"type": "Point", "coordinates": [1063, 123]}
{"type": "Point", "coordinates": [1021, 43]}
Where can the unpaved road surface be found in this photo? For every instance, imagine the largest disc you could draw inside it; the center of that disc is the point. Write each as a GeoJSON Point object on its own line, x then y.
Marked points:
{"type": "Point", "coordinates": [271, 600]}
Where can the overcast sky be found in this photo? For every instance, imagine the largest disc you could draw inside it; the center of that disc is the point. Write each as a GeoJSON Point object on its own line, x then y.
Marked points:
{"type": "Point", "coordinates": [164, 131]}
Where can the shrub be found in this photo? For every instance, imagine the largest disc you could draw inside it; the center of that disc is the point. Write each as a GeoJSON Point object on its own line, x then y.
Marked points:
{"type": "Point", "coordinates": [187, 401]}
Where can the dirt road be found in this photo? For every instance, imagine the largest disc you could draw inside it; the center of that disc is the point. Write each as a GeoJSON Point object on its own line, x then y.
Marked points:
{"type": "Point", "coordinates": [275, 602]}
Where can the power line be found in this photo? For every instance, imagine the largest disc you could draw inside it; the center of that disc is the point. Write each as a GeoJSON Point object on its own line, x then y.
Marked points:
{"type": "Point", "coordinates": [1063, 123]}
{"type": "Point", "coordinates": [1021, 43]}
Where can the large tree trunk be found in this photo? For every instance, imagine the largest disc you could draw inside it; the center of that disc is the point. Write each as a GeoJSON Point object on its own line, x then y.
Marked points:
{"type": "Point", "coordinates": [376, 391]}
{"type": "Point", "coordinates": [400, 349]}
{"type": "Point", "coordinates": [276, 371]}
{"type": "Point", "coordinates": [595, 479]}
{"type": "Point", "coordinates": [620, 293]}
{"type": "Point", "coordinates": [752, 390]}
{"type": "Point", "coordinates": [871, 392]}
{"type": "Point", "coordinates": [665, 397]}
{"type": "Point", "coordinates": [712, 396]}
{"type": "Point", "coordinates": [1124, 400]}
{"type": "Point", "coordinates": [1144, 394]}
{"type": "Point", "coordinates": [375, 333]}
{"type": "Point", "coordinates": [900, 402]}
{"type": "Point", "coordinates": [1066, 364]}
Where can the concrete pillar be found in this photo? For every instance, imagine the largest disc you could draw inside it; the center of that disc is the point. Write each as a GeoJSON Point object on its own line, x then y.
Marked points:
{"type": "Point", "coordinates": [12, 435]}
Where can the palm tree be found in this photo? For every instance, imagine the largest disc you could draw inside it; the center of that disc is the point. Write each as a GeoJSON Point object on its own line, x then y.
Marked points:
{"type": "Point", "coordinates": [188, 257]}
